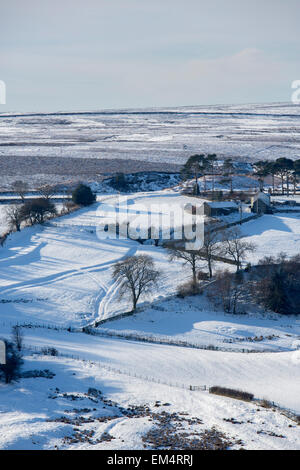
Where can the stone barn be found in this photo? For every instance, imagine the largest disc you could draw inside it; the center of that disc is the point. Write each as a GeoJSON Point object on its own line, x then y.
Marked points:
{"type": "Point", "coordinates": [261, 203]}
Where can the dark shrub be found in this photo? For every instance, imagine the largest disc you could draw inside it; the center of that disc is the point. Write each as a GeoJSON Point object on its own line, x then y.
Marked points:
{"type": "Point", "coordinates": [10, 371]}
{"type": "Point", "coordinates": [202, 276]}
{"type": "Point", "coordinates": [93, 392]}
{"type": "Point", "coordinates": [231, 393]}
{"type": "Point", "coordinates": [68, 207]}
{"type": "Point", "coordinates": [266, 403]}
{"type": "Point", "coordinates": [188, 288]}
{"type": "Point", "coordinates": [33, 374]}
{"type": "Point", "coordinates": [49, 351]}
{"type": "Point", "coordinates": [83, 195]}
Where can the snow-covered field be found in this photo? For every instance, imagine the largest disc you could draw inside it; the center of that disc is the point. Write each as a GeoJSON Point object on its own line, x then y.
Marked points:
{"type": "Point", "coordinates": [60, 274]}
{"type": "Point", "coordinates": [247, 131]}
{"type": "Point", "coordinates": [252, 372]}
{"type": "Point", "coordinates": [193, 322]}
{"type": "Point", "coordinates": [273, 234]}
{"type": "Point", "coordinates": [45, 413]}
{"type": "Point", "coordinates": [42, 147]}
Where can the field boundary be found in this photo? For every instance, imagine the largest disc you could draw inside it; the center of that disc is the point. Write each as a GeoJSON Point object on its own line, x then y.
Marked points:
{"type": "Point", "coordinates": [288, 413]}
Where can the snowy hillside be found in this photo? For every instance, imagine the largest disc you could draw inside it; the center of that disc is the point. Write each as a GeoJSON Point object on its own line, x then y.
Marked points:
{"type": "Point", "coordinates": [68, 412]}
{"type": "Point", "coordinates": [59, 275]}
{"type": "Point", "coordinates": [61, 272]}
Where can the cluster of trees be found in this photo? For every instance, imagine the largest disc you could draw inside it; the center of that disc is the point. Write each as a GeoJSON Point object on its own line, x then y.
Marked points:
{"type": "Point", "coordinates": [82, 194]}
{"type": "Point", "coordinates": [273, 283]}
{"type": "Point", "coordinates": [202, 165]}
{"type": "Point", "coordinates": [37, 210]}
{"type": "Point", "coordinates": [278, 284]}
{"type": "Point", "coordinates": [33, 211]}
{"type": "Point", "coordinates": [137, 274]}
{"type": "Point", "coordinates": [284, 168]}
{"type": "Point", "coordinates": [219, 245]}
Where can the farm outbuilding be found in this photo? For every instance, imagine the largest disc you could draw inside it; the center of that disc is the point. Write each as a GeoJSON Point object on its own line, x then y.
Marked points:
{"type": "Point", "coordinates": [216, 209]}
{"type": "Point", "coordinates": [261, 203]}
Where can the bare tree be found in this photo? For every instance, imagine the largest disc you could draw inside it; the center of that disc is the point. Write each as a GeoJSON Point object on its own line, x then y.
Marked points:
{"type": "Point", "coordinates": [21, 188]}
{"type": "Point", "coordinates": [211, 246]}
{"type": "Point", "coordinates": [47, 191]}
{"type": "Point", "coordinates": [212, 159]}
{"type": "Point", "coordinates": [228, 171]}
{"type": "Point", "coordinates": [189, 257]}
{"type": "Point", "coordinates": [229, 288]}
{"type": "Point", "coordinates": [235, 246]}
{"type": "Point", "coordinates": [36, 210]}
{"type": "Point", "coordinates": [14, 217]}
{"type": "Point", "coordinates": [17, 337]}
{"type": "Point", "coordinates": [137, 276]}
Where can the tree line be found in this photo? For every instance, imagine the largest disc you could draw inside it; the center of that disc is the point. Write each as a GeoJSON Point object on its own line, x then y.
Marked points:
{"type": "Point", "coordinates": [137, 274]}
{"type": "Point", "coordinates": [274, 283]}
{"type": "Point", "coordinates": [31, 211]}
{"type": "Point", "coordinates": [202, 165]}
{"type": "Point", "coordinates": [284, 168]}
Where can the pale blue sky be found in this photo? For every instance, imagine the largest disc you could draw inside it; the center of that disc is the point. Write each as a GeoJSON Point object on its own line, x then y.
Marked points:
{"type": "Point", "coordinates": [89, 55]}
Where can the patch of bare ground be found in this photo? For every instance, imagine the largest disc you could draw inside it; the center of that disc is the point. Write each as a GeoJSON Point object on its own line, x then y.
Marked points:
{"type": "Point", "coordinates": [42, 169]}
{"type": "Point", "coordinates": [174, 431]}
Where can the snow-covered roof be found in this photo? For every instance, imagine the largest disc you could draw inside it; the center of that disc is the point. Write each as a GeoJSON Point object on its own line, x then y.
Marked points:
{"type": "Point", "coordinates": [262, 197]}
{"type": "Point", "coordinates": [220, 204]}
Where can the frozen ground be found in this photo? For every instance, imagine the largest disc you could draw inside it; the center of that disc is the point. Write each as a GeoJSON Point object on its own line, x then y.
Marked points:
{"type": "Point", "coordinates": [152, 136]}
{"type": "Point", "coordinates": [194, 321]}
{"type": "Point", "coordinates": [49, 413]}
{"type": "Point", "coordinates": [61, 274]}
